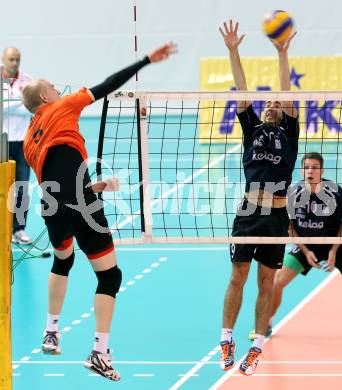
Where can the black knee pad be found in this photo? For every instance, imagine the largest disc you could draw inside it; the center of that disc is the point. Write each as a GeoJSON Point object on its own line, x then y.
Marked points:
{"type": "Point", "coordinates": [109, 281]}
{"type": "Point", "coordinates": [63, 266]}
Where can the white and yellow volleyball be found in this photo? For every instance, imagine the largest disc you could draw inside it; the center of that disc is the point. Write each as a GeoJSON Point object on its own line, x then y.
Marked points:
{"type": "Point", "coordinates": [278, 25]}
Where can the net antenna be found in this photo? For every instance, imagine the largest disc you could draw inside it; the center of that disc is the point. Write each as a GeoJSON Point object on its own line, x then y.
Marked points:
{"type": "Point", "coordinates": [142, 131]}
{"type": "Point", "coordinates": [135, 40]}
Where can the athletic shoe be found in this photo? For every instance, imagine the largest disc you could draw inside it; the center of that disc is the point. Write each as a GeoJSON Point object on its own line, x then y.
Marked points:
{"type": "Point", "coordinates": [51, 344]}
{"type": "Point", "coordinates": [100, 363]}
{"type": "Point", "coordinates": [20, 237]}
{"type": "Point", "coordinates": [267, 334]}
{"type": "Point", "coordinates": [227, 355]}
{"type": "Point", "coordinates": [250, 363]}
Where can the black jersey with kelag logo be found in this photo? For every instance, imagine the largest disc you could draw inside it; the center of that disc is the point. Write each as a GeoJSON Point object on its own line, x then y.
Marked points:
{"type": "Point", "coordinates": [316, 214]}
{"type": "Point", "coordinates": [270, 152]}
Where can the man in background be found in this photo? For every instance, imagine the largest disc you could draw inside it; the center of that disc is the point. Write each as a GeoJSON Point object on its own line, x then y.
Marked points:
{"type": "Point", "coordinates": [16, 121]}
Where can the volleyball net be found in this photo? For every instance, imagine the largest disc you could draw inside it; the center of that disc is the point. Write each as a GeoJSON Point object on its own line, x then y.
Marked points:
{"type": "Point", "coordinates": [179, 160]}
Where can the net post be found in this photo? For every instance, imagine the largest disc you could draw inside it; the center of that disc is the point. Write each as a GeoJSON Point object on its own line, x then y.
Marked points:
{"type": "Point", "coordinates": [101, 140]}
{"type": "Point", "coordinates": [100, 144]}
{"type": "Point", "coordinates": [144, 176]}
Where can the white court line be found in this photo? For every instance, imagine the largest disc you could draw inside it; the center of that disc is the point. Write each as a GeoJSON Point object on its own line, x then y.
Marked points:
{"type": "Point", "coordinates": [191, 373]}
{"type": "Point", "coordinates": [298, 362]}
{"type": "Point", "coordinates": [187, 376]}
{"type": "Point", "coordinates": [52, 362]}
{"type": "Point", "coordinates": [289, 375]}
{"type": "Point", "coordinates": [16, 365]}
{"type": "Point", "coordinates": [280, 324]}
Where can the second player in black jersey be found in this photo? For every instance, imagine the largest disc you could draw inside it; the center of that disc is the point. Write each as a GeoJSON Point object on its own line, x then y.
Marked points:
{"type": "Point", "coordinates": [315, 208]}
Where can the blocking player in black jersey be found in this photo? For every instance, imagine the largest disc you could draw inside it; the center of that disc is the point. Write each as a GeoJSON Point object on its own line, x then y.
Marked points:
{"type": "Point", "coordinates": [270, 152]}
{"type": "Point", "coordinates": [315, 205]}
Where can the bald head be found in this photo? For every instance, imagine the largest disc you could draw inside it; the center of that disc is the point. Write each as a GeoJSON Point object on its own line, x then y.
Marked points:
{"type": "Point", "coordinates": [31, 94]}
{"type": "Point", "coordinates": [11, 61]}
{"type": "Point", "coordinates": [37, 93]}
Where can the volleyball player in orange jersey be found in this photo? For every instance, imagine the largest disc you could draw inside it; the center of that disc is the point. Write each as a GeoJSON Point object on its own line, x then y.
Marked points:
{"type": "Point", "coordinates": [54, 148]}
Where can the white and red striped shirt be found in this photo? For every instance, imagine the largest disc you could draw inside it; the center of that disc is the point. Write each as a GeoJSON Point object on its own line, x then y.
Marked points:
{"type": "Point", "coordinates": [16, 116]}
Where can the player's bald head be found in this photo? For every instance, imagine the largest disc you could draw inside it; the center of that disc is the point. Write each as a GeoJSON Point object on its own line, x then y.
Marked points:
{"type": "Point", "coordinates": [38, 92]}
{"type": "Point", "coordinates": [31, 94]}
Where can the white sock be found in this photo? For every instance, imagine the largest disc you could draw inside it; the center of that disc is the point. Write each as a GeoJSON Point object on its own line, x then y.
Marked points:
{"type": "Point", "coordinates": [52, 322]}
{"type": "Point", "coordinates": [101, 342]}
{"type": "Point", "coordinates": [259, 341]}
{"type": "Point", "coordinates": [226, 334]}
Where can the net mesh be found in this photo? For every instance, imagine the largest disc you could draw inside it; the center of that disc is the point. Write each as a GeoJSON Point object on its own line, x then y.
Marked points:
{"type": "Point", "coordinates": [179, 160]}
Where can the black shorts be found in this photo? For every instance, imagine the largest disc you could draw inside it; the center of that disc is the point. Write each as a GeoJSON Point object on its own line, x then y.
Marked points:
{"type": "Point", "coordinates": [274, 225]}
{"type": "Point", "coordinates": [321, 252]}
{"type": "Point", "coordinates": [68, 222]}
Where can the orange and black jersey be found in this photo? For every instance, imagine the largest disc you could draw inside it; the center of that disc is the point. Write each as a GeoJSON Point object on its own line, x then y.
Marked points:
{"type": "Point", "coordinates": [55, 124]}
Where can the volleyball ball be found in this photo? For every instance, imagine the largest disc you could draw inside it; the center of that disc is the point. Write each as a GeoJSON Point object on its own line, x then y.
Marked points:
{"type": "Point", "coordinates": [278, 25]}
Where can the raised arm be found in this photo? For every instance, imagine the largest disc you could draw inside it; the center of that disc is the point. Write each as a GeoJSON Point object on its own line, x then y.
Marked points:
{"type": "Point", "coordinates": [116, 80]}
{"type": "Point", "coordinates": [232, 41]}
{"type": "Point", "coordinates": [284, 74]}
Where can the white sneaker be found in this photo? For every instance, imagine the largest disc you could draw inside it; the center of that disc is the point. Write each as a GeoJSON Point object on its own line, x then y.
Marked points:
{"type": "Point", "coordinates": [100, 363]}
{"type": "Point", "coordinates": [20, 237]}
{"type": "Point", "coordinates": [250, 363]}
{"type": "Point", "coordinates": [51, 344]}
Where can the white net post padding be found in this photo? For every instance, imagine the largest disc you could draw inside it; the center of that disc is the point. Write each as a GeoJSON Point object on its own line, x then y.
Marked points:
{"type": "Point", "coordinates": [145, 173]}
